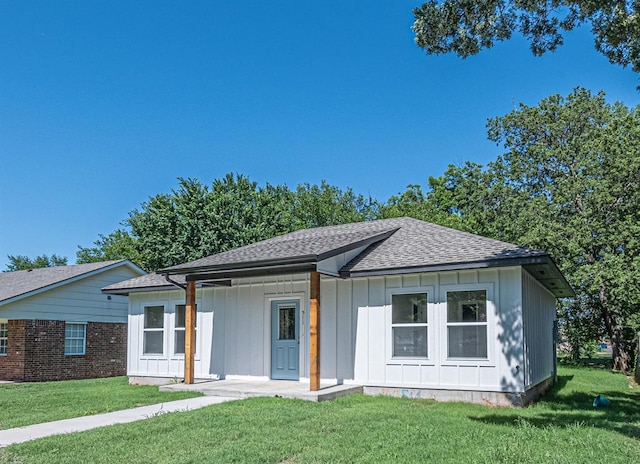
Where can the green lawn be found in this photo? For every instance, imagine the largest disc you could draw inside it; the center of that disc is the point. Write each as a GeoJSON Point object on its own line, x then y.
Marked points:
{"type": "Point", "coordinates": [32, 403]}
{"type": "Point", "coordinates": [563, 428]}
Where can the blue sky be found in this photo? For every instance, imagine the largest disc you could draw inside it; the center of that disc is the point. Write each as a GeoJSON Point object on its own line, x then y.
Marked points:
{"type": "Point", "coordinates": [105, 103]}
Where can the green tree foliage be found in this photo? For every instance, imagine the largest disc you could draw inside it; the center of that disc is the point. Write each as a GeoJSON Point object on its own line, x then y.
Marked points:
{"type": "Point", "coordinates": [117, 245]}
{"type": "Point", "coordinates": [22, 263]}
{"type": "Point", "coordinates": [568, 183]}
{"type": "Point", "coordinates": [467, 26]}
{"type": "Point", "coordinates": [433, 207]}
{"type": "Point", "coordinates": [196, 220]}
{"type": "Point", "coordinates": [326, 205]}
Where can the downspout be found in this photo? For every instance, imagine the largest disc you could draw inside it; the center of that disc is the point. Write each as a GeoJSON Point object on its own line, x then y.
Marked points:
{"type": "Point", "coordinates": [168, 279]}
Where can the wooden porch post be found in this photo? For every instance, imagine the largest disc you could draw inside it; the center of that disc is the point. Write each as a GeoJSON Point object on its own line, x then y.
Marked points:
{"type": "Point", "coordinates": [189, 332]}
{"type": "Point", "coordinates": [314, 332]}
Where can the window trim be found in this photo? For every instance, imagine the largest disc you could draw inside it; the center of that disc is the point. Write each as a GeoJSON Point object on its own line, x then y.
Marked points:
{"type": "Point", "coordinates": [430, 324]}
{"type": "Point", "coordinates": [143, 329]}
{"type": "Point", "coordinates": [491, 305]}
{"type": "Point", "coordinates": [83, 338]}
{"type": "Point", "coordinates": [5, 338]}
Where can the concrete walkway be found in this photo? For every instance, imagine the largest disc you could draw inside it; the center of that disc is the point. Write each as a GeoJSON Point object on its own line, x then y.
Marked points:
{"type": "Point", "coordinates": [79, 424]}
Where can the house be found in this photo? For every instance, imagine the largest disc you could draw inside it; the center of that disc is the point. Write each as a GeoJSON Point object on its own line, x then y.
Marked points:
{"type": "Point", "coordinates": [56, 324]}
{"type": "Point", "coordinates": [398, 306]}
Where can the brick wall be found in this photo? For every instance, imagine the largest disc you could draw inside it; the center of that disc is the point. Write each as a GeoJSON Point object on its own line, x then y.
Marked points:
{"type": "Point", "coordinates": [43, 355]}
{"type": "Point", "coordinates": [12, 365]}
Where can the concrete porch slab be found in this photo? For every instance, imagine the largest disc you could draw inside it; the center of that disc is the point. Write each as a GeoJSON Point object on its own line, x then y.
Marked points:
{"type": "Point", "coordinates": [269, 388]}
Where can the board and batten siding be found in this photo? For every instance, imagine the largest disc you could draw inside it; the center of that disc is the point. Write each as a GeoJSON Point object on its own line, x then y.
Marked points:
{"type": "Point", "coordinates": [78, 301]}
{"type": "Point", "coordinates": [168, 364]}
{"type": "Point", "coordinates": [539, 313]}
{"type": "Point", "coordinates": [234, 331]}
{"type": "Point", "coordinates": [375, 365]}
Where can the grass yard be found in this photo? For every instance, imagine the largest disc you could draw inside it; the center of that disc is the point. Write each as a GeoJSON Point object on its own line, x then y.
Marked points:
{"type": "Point", "coordinates": [563, 428]}
{"type": "Point", "coordinates": [32, 403]}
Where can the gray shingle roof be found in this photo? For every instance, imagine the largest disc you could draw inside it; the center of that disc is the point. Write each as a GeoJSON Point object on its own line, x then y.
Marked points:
{"type": "Point", "coordinates": [13, 284]}
{"type": "Point", "coordinates": [390, 246]}
{"type": "Point", "coordinates": [148, 281]}
{"type": "Point", "coordinates": [398, 243]}
{"type": "Point", "coordinates": [311, 244]}
{"type": "Point", "coordinates": [421, 244]}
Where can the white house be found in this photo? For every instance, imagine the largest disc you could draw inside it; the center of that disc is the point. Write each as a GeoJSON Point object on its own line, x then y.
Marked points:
{"type": "Point", "coordinates": [405, 308]}
{"type": "Point", "coordinates": [55, 323]}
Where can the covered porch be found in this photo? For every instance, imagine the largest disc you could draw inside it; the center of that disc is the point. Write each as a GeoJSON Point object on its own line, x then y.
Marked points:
{"type": "Point", "coordinates": [266, 388]}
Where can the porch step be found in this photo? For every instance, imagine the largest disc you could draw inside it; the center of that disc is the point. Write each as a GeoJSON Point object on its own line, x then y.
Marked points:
{"type": "Point", "coordinates": [272, 388]}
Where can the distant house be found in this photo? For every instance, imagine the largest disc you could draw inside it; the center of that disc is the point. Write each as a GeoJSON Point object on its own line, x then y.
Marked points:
{"type": "Point", "coordinates": [398, 306]}
{"type": "Point", "coordinates": [55, 324]}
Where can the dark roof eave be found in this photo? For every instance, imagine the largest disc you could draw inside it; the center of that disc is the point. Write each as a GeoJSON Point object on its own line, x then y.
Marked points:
{"type": "Point", "coordinates": [301, 268]}
{"type": "Point", "coordinates": [500, 262]}
{"type": "Point", "coordinates": [238, 266]}
{"type": "Point", "coordinates": [126, 291]}
{"type": "Point", "coordinates": [565, 291]}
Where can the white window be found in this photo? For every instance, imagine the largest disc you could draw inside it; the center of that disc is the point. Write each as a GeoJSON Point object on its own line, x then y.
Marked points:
{"type": "Point", "coordinates": [409, 325]}
{"type": "Point", "coordinates": [4, 338]}
{"type": "Point", "coordinates": [180, 329]}
{"type": "Point", "coordinates": [75, 336]}
{"type": "Point", "coordinates": [467, 324]}
{"type": "Point", "coordinates": [153, 342]}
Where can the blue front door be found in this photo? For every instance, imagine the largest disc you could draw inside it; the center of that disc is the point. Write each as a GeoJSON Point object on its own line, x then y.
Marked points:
{"type": "Point", "coordinates": [285, 340]}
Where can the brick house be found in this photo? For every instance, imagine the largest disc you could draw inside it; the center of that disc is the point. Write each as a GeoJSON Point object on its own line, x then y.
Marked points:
{"type": "Point", "coordinates": [55, 324]}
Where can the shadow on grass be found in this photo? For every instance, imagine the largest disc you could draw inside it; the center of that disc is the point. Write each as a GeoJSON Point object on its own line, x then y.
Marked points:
{"type": "Point", "coordinates": [556, 409]}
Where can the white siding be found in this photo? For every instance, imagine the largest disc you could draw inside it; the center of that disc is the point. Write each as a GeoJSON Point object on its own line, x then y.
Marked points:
{"type": "Point", "coordinates": [168, 364]}
{"type": "Point", "coordinates": [78, 301]}
{"type": "Point", "coordinates": [539, 312]}
{"type": "Point", "coordinates": [235, 331]}
{"type": "Point", "coordinates": [375, 365]}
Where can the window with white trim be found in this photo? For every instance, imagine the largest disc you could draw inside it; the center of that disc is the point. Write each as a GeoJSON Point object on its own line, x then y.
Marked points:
{"type": "Point", "coordinates": [75, 338]}
{"type": "Point", "coordinates": [153, 338]}
{"type": "Point", "coordinates": [4, 338]}
{"type": "Point", "coordinates": [409, 325]}
{"type": "Point", "coordinates": [179, 331]}
{"type": "Point", "coordinates": [467, 324]}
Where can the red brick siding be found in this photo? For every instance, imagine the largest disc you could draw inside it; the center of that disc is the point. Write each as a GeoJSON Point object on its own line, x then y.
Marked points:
{"type": "Point", "coordinates": [12, 365]}
{"type": "Point", "coordinates": [43, 355]}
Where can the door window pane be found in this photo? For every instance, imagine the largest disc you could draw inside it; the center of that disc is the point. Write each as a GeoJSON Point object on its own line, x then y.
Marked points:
{"type": "Point", "coordinates": [287, 323]}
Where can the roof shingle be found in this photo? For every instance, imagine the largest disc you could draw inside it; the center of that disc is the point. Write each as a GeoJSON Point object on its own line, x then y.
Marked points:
{"type": "Point", "coordinates": [13, 284]}
{"type": "Point", "coordinates": [402, 243]}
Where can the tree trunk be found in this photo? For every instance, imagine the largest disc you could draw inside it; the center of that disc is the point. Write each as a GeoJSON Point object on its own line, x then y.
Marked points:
{"type": "Point", "coordinates": [622, 352]}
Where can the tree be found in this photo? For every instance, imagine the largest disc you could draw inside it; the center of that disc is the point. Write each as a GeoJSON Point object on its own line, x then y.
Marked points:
{"type": "Point", "coordinates": [327, 205]}
{"type": "Point", "coordinates": [23, 263]}
{"type": "Point", "coordinates": [467, 26]}
{"type": "Point", "coordinates": [117, 245]}
{"type": "Point", "coordinates": [194, 220]}
{"type": "Point", "coordinates": [568, 183]}
{"type": "Point", "coordinates": [428, 207]}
